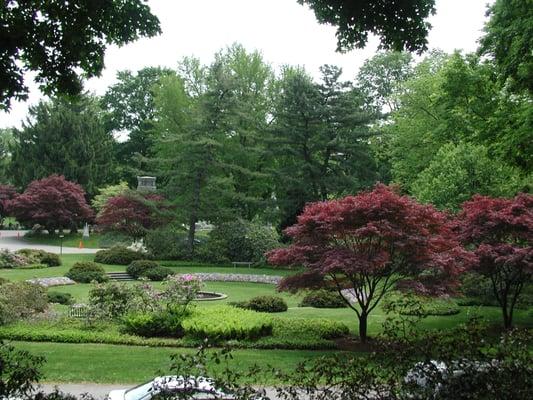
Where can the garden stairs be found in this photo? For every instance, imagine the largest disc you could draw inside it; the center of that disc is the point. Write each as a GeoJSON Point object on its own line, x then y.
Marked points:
{"type": "Point", "coordinates": [119, 276]}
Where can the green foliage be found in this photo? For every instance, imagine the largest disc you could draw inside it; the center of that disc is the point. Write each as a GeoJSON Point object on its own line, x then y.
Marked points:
{"type": "Point", "coordinates": [158, 273]}
{"type": "Point", "coordinates": [118, 255]}
{"type": "Point", "coordinates": [239, 241]}
{"type": "Point", "coordinates": [159, 324]}
{"type": "Point", "coordinates": [65, 45]}
{"type": "Point", "coordinates": [20, 300]}
{"type": "Point", "coordinates": [111, 239]}
{"type": "Point", "coordinates": [139, 268]}
{"type": "Point", "coordinates": [224, 322]}
{"type": "Point", "coordinates": [131, 109]}
{"type": "Point", "coordinates": [67, 137]}
{"type": "Point", "coordinates": [167, 244]}
{"type": "Point", "coordinates": [112, 300]}
{"type": "Point", "coordinates": [456, 100]}
{"type": "Point", "coordinates": [399, 26]}
{"type": "Point", "coordinates": [106, 193]}
{"type": "Point", "coordinates": [459, 171]}
{"type": "Point", "coordinates": [40, 257]}
{"type": "Point", "coordinates": [323, 298]}
{"type": "Point", "coordinates": [60, 297]}
{"type": "Point", "coordinates": [508, 40]}
{"type": "Point", "coordinates": [86, 272]}
{"type": "Point", "coordinates": [19, 371]}
{"type": "Point", "coordinates": [12, 260]}
{"type": "Point", "coordinates": [268, 304]}
{"type": "Point", "coordinates": [7, 142]}
{"type": "Point", "coordinates": [319, 140]}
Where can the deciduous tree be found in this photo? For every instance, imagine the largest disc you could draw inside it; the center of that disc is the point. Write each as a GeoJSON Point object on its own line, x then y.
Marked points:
{"type": "Point", "coordinates": [52, 202]}
{"type": "Point", "coordinates": [7, 192]}
{"type": "Point", "coordinates": [460, 171]}
{"type": "Point", "coordinates": [501, 231]}
{"type": "Point", "coordinates": [60, 39]}
{"type": "Point", "coordinates": [399, 25]}
{"type": "Point", "coordinates": [508, 40]}
{"type": "Point", "coordinates": [370, 243]}
{"type": "Point", "coordinates": [132, 214]}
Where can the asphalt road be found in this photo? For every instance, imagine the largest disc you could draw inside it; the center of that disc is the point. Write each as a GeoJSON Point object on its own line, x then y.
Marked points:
{"type": "Point", "coordinates": [13, 241]}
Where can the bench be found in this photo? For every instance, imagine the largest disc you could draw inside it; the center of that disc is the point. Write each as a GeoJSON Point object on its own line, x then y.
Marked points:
{"type": "Point", "coordinates": [247, 263]}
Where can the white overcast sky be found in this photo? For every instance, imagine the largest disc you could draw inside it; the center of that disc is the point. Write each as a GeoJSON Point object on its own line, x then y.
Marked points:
{"type": "Point", "coordinates": [284, 31]}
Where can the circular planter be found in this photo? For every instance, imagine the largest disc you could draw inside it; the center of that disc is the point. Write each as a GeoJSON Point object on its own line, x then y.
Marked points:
{"type": "Point", "coordinates": [210, 296]}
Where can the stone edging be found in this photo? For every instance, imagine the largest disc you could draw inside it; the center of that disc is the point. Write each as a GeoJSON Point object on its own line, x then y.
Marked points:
{"type": "Point", "coordinates": [219, 277]}
{"type": "Point", "coordinates": [48, 282]}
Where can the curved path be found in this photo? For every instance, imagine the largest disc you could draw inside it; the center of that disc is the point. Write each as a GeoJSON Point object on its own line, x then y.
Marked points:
{"type": "Point", "coordinates": [13, 241]}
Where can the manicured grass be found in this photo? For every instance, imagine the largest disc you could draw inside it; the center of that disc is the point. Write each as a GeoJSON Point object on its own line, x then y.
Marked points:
{"type": "Point", "coordinates": [70, 240]}
{"type": "Point", "coordinates": [134, 364]}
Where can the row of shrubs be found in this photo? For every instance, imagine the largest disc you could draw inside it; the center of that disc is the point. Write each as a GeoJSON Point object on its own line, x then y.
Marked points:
{"type": "Point", "coordinates": [89, 271]}
{"type": "Point", "coordinates": [28, 257]}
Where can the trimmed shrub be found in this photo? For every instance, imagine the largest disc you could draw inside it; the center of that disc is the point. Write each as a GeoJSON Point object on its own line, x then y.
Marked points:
{"type": "Point", "coordinates": [118, 255]}
{"type": "Point", "coordinates": [3, 280]}
{"type": "Point", "coordinates": [226, 323]}
{"type": "Point", "coordinates": [269, 304]}
{"type": "Point", "coordinates": [60, 298]}
{"type": "Point", "coordinates": [323, 299]}
{"type": "Point", "coordinates": [158, 324]}
{"type": "Point", "coordinates": [239, 241]}
{"type": "Point", "coordinates": [12, 260]}
{"type": "Point", "coordinates": [158, 274]}
{"type": "Point", "coordinates": [20, 300]}
{"type": "Point", "coordinates": [86, 272]}
{"type": "Point", "coordinates": [139, 267]}
{"type": "Point", "coordinates": [421, 306]}
{"type": "Point", "coordinates": [166, 244]}
{"type": "Point", "coordinates": [40, 257]}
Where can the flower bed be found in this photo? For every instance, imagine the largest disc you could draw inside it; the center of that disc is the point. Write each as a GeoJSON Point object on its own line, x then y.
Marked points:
{"type": "Point", "coordinates": [219, 277]}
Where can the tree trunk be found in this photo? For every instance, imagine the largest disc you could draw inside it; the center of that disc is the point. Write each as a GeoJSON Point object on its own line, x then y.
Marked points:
{"type": "Point", "coordinates": [193, 217]}
{"type": "Point", "coordinates": [507, 318]}
{"type": "Point", "coordinates": [363, 324]}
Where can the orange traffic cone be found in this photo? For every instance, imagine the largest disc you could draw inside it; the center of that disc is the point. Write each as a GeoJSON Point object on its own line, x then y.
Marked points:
{"type": "Point", "coordinates": [81, 244]}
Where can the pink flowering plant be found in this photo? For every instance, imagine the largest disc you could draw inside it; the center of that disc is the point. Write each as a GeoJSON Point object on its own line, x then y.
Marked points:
{"type": "Point", "coordinates": [180, 290]}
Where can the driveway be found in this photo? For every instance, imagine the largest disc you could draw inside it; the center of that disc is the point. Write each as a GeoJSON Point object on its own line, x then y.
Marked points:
{"type": "Point", "coordinates": [13, 240]}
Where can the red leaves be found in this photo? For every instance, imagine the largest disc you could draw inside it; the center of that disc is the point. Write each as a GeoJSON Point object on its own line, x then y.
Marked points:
{"type": "Point", "coordinates": [52, 202]}
{"type": "Point", "coordinates": [495, 220]}
{"type": "Point", "coordinates": [131, 214]}
{"type": "Point", "coordinates": [7, 192]}
{"type": "Point", "coordinates": [375, 233]}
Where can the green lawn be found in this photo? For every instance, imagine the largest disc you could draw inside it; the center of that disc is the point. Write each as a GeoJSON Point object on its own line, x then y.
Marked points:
{"type": "Point", "coordinates": [106, 363]}
{"type": "Point", "coordinates": [70, 240]}
{"type": "Point", "coordinates": [134, 364]}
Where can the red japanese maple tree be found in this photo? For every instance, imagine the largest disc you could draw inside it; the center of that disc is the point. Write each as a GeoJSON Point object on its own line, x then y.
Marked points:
{"type": "Point", "coordinates": [501, 231]}
{"type": "Point", "coordinates": [132, 214]}
{"type": "Point", "coordinates": [7, 192]}
{"type": "Point", "coordinates": [370, 243]}
{"type": "Point", "coordinates": [52, 202]}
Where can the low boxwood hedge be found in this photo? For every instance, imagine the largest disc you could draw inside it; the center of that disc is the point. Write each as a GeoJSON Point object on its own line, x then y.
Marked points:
{"type": "Point", "coordinates": [323, 299]}
{"type": "Point", "coordinates": [226, 322]}
{"type": "Point", "coordinates": [138, 268]}
{"type": "Point", "coordinates": [86, 272]}
{"type": "Point", "coordinates": [269, 304]}
{"type": "Point", "coordinates": [118, 255]}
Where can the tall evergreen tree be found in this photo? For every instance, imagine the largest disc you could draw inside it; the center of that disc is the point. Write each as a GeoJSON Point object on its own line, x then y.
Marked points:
{"type": "Point", "coordinates": [65, 137]}
{"type": "Point", "coordinates": [319, 141]}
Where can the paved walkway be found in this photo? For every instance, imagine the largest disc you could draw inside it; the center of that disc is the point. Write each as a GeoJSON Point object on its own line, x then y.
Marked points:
{"type": "Point", "coordinates": [13, 240]}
